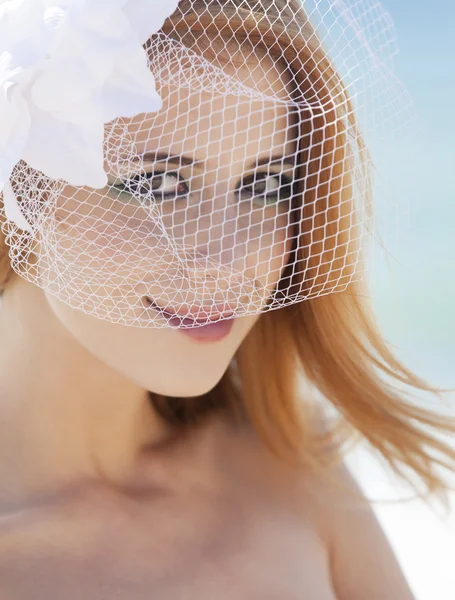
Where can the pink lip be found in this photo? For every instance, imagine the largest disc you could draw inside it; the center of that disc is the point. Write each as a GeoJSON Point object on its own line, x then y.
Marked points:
{"type": "Point", "coordinates": [203, 330]}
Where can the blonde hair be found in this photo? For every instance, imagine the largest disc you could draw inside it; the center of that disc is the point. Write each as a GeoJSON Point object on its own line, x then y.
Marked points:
{"type": "Point", "coordinates": [331, 340]}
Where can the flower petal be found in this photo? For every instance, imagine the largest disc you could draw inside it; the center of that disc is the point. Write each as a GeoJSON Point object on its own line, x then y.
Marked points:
{"type": "Point", "coordinates": [14, 128]}
{"type": "Point", "coordinates": [148, 17]}
{"type": "Point", "coordinates": [23, 31]}
{"type": "Point", "coordinates": [111, 23]}
{"type": "Point", "coordinates": [68, 151]}
{"type": "Point", "coordinates": [130, 90]}
{"type": "Point", "coordinates": [12, 209]}
{"type": "Point", "coordinates": [73, 66]}
{"type": "Point", "coordinates": [64, 86]}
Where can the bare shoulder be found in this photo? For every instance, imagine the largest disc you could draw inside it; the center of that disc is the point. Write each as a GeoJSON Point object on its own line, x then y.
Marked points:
{"type": "Point", "coordinates": [338, 520]}
{"type": "Point", "coordinates": [362, 562]}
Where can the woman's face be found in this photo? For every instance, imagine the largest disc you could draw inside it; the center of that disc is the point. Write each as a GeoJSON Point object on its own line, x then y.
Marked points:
{"type": "Point", "coordinates": [173, 245]}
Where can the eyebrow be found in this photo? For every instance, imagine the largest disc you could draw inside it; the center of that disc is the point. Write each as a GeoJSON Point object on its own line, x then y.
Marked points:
{"type": "Point", "coordinates": [188, 161]}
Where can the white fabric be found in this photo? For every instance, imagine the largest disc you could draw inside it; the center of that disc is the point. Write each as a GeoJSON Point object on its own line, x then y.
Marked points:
{"type": "Point", "coordinates": [67, 68]}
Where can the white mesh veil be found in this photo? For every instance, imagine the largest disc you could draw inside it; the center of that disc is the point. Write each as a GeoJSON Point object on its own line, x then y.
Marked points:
{"type": "Point", "coordinates": [249, 189]}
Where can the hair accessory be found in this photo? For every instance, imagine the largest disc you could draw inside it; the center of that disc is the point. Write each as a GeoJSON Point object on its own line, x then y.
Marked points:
{"type": "Point", "coordinates": [173, 164]}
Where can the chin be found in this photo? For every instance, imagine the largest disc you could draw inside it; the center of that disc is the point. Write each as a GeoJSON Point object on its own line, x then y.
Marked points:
{"type": "Point", "coordinates": [177, 376]}
{"type": "Point", "coordinates": [182, 387]}
{"type": "Point", "coordinates": [162, 361]}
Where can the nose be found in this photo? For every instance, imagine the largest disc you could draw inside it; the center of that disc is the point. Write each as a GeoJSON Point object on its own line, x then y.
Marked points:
{"type": "Point", "coordinates": [221, 236]}
{"type": "Point", "coordinates": [206, 263]}
{"type": "Point", "coordinates": [216, 276]}
{"type": "Point", "coordinates": [214, 251]}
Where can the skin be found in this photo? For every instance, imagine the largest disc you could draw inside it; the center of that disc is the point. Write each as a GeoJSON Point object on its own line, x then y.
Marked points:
{"type": "Point", "coordinates": [74, 387]}
{"type": "Point", "coordinates": [101, 499]}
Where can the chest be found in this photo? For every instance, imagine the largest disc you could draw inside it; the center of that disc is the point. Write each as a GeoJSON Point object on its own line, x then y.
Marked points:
{"type": "Point", "coordinates": [176, 551]}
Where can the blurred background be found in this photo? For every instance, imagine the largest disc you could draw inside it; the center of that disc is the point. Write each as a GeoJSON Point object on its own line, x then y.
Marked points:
{"type": "Point", "coordinates": [414, 293]}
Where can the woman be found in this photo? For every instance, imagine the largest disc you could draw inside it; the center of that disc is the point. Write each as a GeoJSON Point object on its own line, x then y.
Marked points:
{"type": "Point", "coordinates": [179, 460]}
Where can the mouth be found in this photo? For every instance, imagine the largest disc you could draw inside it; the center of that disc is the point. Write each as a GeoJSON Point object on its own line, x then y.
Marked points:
{"type": "Point", "coordinates": [198, 318]}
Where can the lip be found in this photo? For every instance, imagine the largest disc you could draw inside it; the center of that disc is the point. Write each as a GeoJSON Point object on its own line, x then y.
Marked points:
{"type": "Point", "coordinates": [208, 329]}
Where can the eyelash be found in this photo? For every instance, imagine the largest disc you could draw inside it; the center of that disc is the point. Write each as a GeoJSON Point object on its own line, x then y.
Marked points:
{"type": "Point", "coordinates": [140, 186]}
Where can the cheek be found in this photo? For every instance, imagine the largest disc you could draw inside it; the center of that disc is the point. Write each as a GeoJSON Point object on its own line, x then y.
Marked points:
{"type": "Point", "coordinates": [117, 238]}
{"type": "Point", "coordinates": [273, 249]}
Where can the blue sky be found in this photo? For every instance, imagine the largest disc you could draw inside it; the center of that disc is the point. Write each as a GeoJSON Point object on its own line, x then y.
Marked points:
{"type": "Point", "coordinates": [423, 321]}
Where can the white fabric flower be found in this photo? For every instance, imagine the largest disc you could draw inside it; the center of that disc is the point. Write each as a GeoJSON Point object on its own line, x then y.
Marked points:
{"type": "Point", "coordinates": [67, 67]}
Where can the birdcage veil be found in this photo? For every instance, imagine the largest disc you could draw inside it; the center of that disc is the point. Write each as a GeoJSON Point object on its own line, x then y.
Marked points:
{"type": "Point", "coordinates": [179, 163]}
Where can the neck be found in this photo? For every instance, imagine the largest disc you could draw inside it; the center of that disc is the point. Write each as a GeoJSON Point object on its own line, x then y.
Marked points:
{"type": "Point", "coordinates": [65, 416]}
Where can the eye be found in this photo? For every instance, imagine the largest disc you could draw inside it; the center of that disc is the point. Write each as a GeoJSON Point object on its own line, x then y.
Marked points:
{"type": "Point", "coordinates": [266, 188]}
{"type": "Point", "coordinates": [154, 186]}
